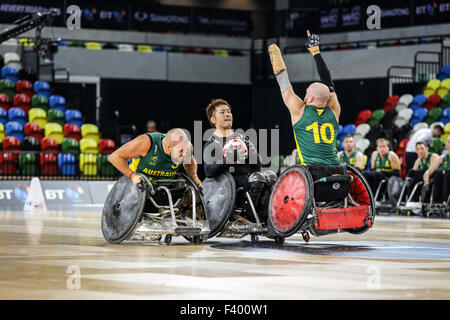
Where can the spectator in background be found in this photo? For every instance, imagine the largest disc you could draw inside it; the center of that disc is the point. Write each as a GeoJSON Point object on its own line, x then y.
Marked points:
{"type": "Point", "coordinates": [151, 126]}
{"type": "Point", "coordinates": [422, 135]}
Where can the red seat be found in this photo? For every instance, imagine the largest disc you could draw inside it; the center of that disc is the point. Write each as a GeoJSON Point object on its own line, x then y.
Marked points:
{"type": "Point", "coordinates": [402, 144]}
{"type": "Point", "coordinates": [72, 131]}
{"type": "Point", "coordinates": [22, 101]}
{"type": "Point", "coordinates": [49, 145]}
{"type": "Point", "coordinates": [434, 99]}
{"type": "Point", "coordinates": [4, 102]}
{"type": "Point", "coordinates": [392, 100]}
{"type": "Point", "coordinates": [49, 163]}
{"type": "Point", "coordinates": [388, 107]}
{"type": "Point", "coordinates": [33, 130]}
{"type": "Point", "coordinates": [106, 146]}
{"type": "Point", "coordinates": [25, 87]}
{"type": "Point", "coordinates": [8, 159]}
{"type": "Point", "coordinates": [363, 116]}
{"type": "Point", "coordinates": [11, 144]}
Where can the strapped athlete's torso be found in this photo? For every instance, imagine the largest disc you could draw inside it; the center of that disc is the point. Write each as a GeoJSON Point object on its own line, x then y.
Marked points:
{"type": "Point", "coordinates": [383, 164]}
{"type": "Point", "coordinates": [424, 165]}
{"type": "Point", "coordinates": [155, 164]}
{"type": "Point", "coordinates": [351, 160]}
{"type": "Point", "coordinates": [315, 136]}
{"type": "Point", "coordinates": [445, 164]}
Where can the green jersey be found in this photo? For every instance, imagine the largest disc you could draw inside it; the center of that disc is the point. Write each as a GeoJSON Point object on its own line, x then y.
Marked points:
{"type": "Point", "coordinates": [445, 164]}
{"type": "Point", "coordinates": [382, 164]}
{"type": "Point", "coordinates": [155, 164]}
{"type": "Point", "coordinates": [424, 165]}
{"type": "Point", "coordinates": [315, 136]}
{"type": "Point", "coordinates": [349, 160]}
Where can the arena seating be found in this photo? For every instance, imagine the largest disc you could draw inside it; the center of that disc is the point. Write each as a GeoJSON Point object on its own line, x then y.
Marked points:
{"type": "Point", "coordinates": [14, 129]}
{"type": "Point", "coordinates": [22, 101]}
{"type": "Point", "coordinates": [90, 131]}
{"type": "Point", "coordinates": [10, 73]}
{"type": "Point", "coordinates": [72, 131]}
{"type": "Point", "coordinates": [58, 103]}
{"type": "Point", "coordinates": [8, 87]}
{"type": "Point", "coordinates": [42, 88]}
{"type": "Point", "coordinates": [33, 130]}
{"type": "Point", "coordinates": [17, 115]}
{"type": "Point", "coordinates": [25, 87]}
{"type": "Point", "coordinates": [39, 101]}
{"type": "Point", "coordinates": [38, 116]}
{"type": "Point", "coordinates": [4, 102]}
{"type": "Point", "coordinates": [56, 116]}
{"type": "Point", "coordinates": [55, 131]}
{"type": "Point", "coordinates": [2, 132]}
{"type": "Point", "coordinates": [74, 116]}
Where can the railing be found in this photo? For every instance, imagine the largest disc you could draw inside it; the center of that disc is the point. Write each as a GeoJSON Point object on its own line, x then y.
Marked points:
{"type": "Point", "coordinates": [427, 65]}
{"type": "Point", "coordinates": [56, 165]}
{"type": "Point", "coordinates": [396, 78]}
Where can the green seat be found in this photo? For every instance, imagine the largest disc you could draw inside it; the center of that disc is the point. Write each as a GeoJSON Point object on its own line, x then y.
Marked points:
{"type": "Point", "coordinates": [28, 164]}
{"type": "Point", "coordinates": [56, 116]}
{"type": "Point", "coordinates": [106, 169]}
{"type": "Point", "coordinates": [436, 145]}
{"type": "Point", "coordinates": [39, 101]}
{"type": "Point", "coordinates": [373, 122]}
{"type": "Point", "coordinates": [7, 87]}
{"type": "Point", "coordinates": [378, 114]}
{"type": "Point", "coordinates": [70, 146]}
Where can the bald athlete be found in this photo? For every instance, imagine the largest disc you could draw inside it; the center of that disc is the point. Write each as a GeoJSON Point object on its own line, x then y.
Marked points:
{"type": "Point", "coordinates": [156, 155]}
{"type": "Point", "coordinates": [315, 119]}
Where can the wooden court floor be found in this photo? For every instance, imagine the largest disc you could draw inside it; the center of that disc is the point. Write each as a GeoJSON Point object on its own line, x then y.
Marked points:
{"type": "Point", "coordinates": [62, 255]}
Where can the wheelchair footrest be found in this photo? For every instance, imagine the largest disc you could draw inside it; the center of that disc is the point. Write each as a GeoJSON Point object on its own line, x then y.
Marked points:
{"type": "Point", "coordinates": [342, 218]}
{"type": "Point", "coordinates": [188, 231]}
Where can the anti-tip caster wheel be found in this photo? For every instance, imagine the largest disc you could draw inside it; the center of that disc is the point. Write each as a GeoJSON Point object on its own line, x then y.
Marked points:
{"type": "Point", "coordinates": [168, 239]}
{"type": "Point", "coordinates": [196, 239]}
{"type": "Point", "coordinates": [279, 240]}
{"type": "Point", "coordinates": [254, 238]}
{"type": "Point", "coordinates": [305, 236]}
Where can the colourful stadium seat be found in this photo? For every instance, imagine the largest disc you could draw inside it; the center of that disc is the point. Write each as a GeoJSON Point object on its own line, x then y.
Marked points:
{"type": "Point", "coordinates": [377, 115]}
{"type": "Point", "coordinates": [49, 145]}
{"type": "Point", "coordinates": [8, 160]}
{"type": "Point", "coordinates": [25, 87]}
{"type": "Point", "coordinates": [88, 164]}
{"type": "Point", "coordinates": [220, 52]}
{"type": "Point", "coordinates": [17, 115]}
{"type": "Point", "coordinates": [145, 48]}
{"type": "Point", "coordinates": [93, 46]}
{"type": "Point", "coordinates": [105, 168]}
{"type": "Point", "coordinates": [42, 88]}
{"type": "Point", "coordinates": [10, 73]}
{"type": "Point", "coordinates": [125, 47]}
{"type": "Point", "coordinates": [349, 130]}
{"type": "Point", "coordinates": [106, 146]}
{"type": "Point", "coordinates": [49, 164]}
{"type": "Point", "coordinates": [3, 116]}
{"type": "Point", "coordinates": [11, 144]}
{"type": "Point", "coordinates": [70, 146]}
{"type": "Point", "coordinates": [29, 164]}
{"type": "Point", "coordinates": [57, 102]}
{"type": "Point", "coordinates": [22, 101]}
{"type": "Point", "coordinates": [67, 164]}
{"type": "Point", "coordinates": [433, 115]}
{"type": "Point", "coordinates": [2, 132]}
{"type": "Point", "coordinates": [55, 131]}
{"type": "Point", "coordinates": [12, 59]}
{"type": "Point", "coordinates": [38, 116]}
{"type": "Point", "coordinates": [419, 99]}
{"type": "Point", "coordinates": [8, 87]}
{"type": "Point", "coordinates": [420, 114]}
{"type": "Point", "coordinates": [74, 116]}
{"type": "Point", "coordinates": [90, 131]}
{"type": "Point", "coordinates": [39, 101]}
{"type": "Point", "coordinates": [436, 145]}
{"type": "Point", "coordinates": [55, 116]}
{"type": "Point", "coordinates": [4, 102]}
{"type": "Point", "coordinates": [33, 130]}
{"type": "Point", "coordinates": [31, 144]}
{"type": "Point", "coordinates": [14, 129]}
{"type": "Point", "coordinates": [88, 145]}
{"type": "Point", "coordinates": [72, 131]}
{"type": "Point", "coordinates": [406, 99]}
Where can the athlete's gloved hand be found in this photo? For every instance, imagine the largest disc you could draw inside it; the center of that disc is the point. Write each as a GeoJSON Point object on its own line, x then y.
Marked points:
{"type": "Point", "coordinates": [312, 43]}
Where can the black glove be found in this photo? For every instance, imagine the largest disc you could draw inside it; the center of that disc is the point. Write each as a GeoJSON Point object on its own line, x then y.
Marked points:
{"type": "Point", "coordinates": [141, 186]}
{"type": "Point", "coordinates": [425, 189]}
{"type": "Point", "coordinates": [312, 41]}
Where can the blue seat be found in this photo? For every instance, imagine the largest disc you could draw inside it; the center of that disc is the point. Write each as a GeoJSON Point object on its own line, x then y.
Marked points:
{"type": "Point", "coordinates": [58, 103]}
{"type": "Point", "coordinates": [415, 121]}
{"type": "Point", "coordinates": [3, 116]}
{"type": "Point", "coordinates": [414, 106]}
{"type": "Point", "coordinates": [67, 164]}
{"type": "Point", "coordinates": [10, 73]}
{"type": "Point", "coordinates": [349, 130]}
{"type": "Point", "coordinates": [444, 120]}
{"type": "Point", "coordinates": [446, 70]}
{"type": "Point", "coordinates": [420, 113]}
{"type": "Point", "coordinates": [14, 129]}
{"type": "Point", "coordinates": [42, 88]}
{"type": "Point", "coordinates": [446, 113]}
{"type": "Point", "coordinates": [420, 99]}
{"type": "Point", "coordinates": [74, 116]}
{"type": "Point", "coordinates": [18, 115]}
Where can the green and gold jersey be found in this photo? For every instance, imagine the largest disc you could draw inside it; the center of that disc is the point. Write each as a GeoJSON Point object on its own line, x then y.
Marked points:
{"type": "Point", "coordinates": [349, 160]}
{"type": "Point", "coordinates": [445, 164]}
{"type": "Point", "coordinates": [155, 164]}
{"type": "Point", "coordinates": [424, 165]}
{"type": "Point", "coordinates": [315, 136]}
{"type": "Point", "coordinates": [383, 164]}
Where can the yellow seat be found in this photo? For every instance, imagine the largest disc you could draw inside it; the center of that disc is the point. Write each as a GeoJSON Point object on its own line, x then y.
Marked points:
{"type": "Point", "coordinates": [93, 46]}
{"type": "Point", "coordinates": [223, 53]}
{"type": "Point", "coordinates": [433, 84]}
{"type": "Point", "coordinates": [54, 131]}
{"type": "Point", "coordinates": [442, 91]}
{"type": "Point", "coordinates": [88, 164]}
{"type": "Point", "coordinates": [90, 131]}
{"type": "Point", "coordinates": [444, 137]}
{"type": "Point", "coordinates": [88, 145]}
{"type": "Point", "coordinates": [428, 92]}
{"type": "Point", "coordinates": [447, 128]}
{"type": "Point", "coordinates": [38, 116]}
{"type": "Point", "coordinates": [446, 83]}
{"type": "Point", "coordinates": [145, 49]}
{"type": "Point", "coordinates": [2, 132]}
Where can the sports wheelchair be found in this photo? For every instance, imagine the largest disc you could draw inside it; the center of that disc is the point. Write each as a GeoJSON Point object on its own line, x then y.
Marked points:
{"type": "Point", "coordinates": [147, 211]}
{"type": "Point", "coordinates": [315, 200]}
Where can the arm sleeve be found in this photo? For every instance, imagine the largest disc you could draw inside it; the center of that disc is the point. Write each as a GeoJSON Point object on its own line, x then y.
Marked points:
{"type": "Point", "coordinates": [324, 73]}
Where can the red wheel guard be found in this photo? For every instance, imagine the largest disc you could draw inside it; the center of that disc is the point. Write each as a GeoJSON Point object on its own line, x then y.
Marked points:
{"type": "Point", "coordinates": [342, 218]}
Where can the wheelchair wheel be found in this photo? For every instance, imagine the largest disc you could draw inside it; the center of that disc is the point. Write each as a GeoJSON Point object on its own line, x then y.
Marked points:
{"type": "Point", "coordinates": [291, 201]}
